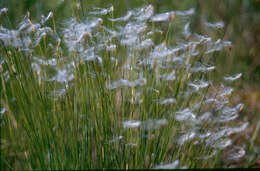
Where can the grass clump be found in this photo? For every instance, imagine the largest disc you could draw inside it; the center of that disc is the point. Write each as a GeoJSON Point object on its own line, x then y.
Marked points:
{"type": "Point", "coordinates": [106, 92]}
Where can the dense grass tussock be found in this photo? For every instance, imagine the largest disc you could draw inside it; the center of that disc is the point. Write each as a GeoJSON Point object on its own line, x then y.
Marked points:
{"type": "Point", "coordinates": [138, 91]}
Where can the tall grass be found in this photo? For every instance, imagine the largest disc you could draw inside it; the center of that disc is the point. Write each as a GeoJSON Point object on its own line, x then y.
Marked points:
{"type": "Point", "coordinates": [84, 96]}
